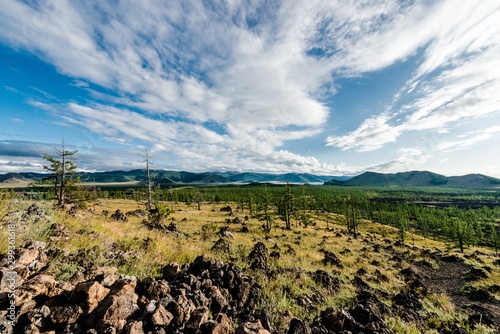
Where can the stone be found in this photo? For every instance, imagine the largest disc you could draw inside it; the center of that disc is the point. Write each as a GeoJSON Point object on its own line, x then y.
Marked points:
{"type": "Point", "coordinates": [90, 294]}
{"type": "Point", "coordinates": [223, 325]}
{"type": "Point", "coordinates": [107, 276]}
{"type": "Point", "coordinates": [118, 305]}
{"type": "Point", "coordinates": [198, 317]}
{"type": "Point", "coordinates": [134, 327]}
{"type": "Point", "coordinates": [298, 326]}
{"type": "Point", "coordinates": [65, 315]}
{"type": "Point", "coordinates": [39, 285]}
{"type": "Point", "coordinates": [27, 256]}
{"type": "Point", "coordinates": [170, 271]}
{"type": "Point", "coordinates": [161, 317]}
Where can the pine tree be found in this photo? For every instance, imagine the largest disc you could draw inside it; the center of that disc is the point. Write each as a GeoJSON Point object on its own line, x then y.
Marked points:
{"type": "Point", "coordinates": [264, 209]}
{"type": "Point", "coordinates": [63, 173]}
{"type": "Point", "coordinates": [286, 206]}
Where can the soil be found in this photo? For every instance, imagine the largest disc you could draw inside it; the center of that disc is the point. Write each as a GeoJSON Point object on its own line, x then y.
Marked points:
{"type": "Point", "coordinates": [450, 279]}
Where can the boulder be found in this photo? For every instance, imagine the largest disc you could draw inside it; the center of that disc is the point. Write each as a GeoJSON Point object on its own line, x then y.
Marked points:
{"type": "Point", "coordinates": [198, 317]}
{"type": "Point", "coordinates": [89, 295]}
{"type": "Point", "coordinates": [65, 314]}
{"type": "Point", "coordinates": [118, 305]}
{"type": "Point", "coordinates": [223, 325]}
{"type": "Point", "coordinates": [298, 326]}
{"type": "Point", "coordinates": [161, 317]}
{"type": "Point", "coordinates": [170, 271]}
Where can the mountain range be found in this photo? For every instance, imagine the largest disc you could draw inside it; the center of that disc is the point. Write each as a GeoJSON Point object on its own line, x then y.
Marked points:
{"type": "Point", "coordinates": [367, 179]}
{"type": "Point", "coordinates": [162, 177]}
{"type": "Point", "coordinates": [418, 179]}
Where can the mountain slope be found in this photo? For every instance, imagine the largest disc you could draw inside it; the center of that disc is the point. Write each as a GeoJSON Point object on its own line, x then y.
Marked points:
{"type": "Point", "coordinates": [163, 177]}
{"type": "Point", "coordinates": [418, 179]}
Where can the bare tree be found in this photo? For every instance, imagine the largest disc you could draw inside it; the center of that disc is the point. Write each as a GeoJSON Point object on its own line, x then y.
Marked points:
{"type": "Point", "coordinates": [147, 160]}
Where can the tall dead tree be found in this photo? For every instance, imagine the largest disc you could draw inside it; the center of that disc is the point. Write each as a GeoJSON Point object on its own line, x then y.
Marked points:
{"type": "Point", "coordinates": [147, 160]}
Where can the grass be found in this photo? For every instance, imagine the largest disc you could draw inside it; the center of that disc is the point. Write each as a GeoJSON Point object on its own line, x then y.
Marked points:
{"type": "Point", "coordinates": [136, 250]}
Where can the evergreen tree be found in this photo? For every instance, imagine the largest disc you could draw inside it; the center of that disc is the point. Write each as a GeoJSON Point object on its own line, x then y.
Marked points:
{"type": "Point", "coordinates": [286, 206]}
{"type": "Point", "coordinates": [264, 209]}
{"type": "Point", "coordinates": [63, 173]}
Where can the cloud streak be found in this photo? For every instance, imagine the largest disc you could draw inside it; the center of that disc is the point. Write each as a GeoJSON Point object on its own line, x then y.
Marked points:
{"type": "Point", "coordinates": [227, 85]}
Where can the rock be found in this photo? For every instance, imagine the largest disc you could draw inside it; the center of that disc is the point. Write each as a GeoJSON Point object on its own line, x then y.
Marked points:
{"type": "Point", "coordinates": [452, 258]}
{"type": "Point", "coordinates": [407, 300]}
{"type": "Point", "coordinates": [265, 320]}
{"type": "Point", "coordinates": [119, 216]}
{"type": "Point", "coordinates": [298, 326]}
{"type": "Point", "coordinates": [223, 325]}
{"type": "Point", "coordinates": [9, 280]}
{"type": "Point", "coordinates": [219, 301]}
{"type": "Point", "coordinates": [134, 327]}
{"type": "Point", "coordinates": [360, 284]}
{"type": "Point", "coordinates": [226, 209]}
{"type": "Point", "coordinates": [331, 258]}
{"type": "Point", "coordinates": [27, 256]}
{"type": "Point", "coordinates": [37, 315]}
{"type": "Point", "coordinates": [225, 232]}
{"type": "Point", "coordinates": [44, 285]}
{"type": "Point", "coordinates": [289, 249]}
{"type": "Point", "coordinates": [118, 305]}
{"type": "Point", "coordinates": [323, 279]}
{"type": "Point", "coordinates": [170, 271]}
{"type": "Point", "coordinates": [475, 274]}
{"type": "Point", "coordinates": [243, 295]}
{"type": "Point", "coordinates": [477, 293]}
{"type": "Point", "coordinates": [237, 220]}
{"type": "Point", "coordinates": [251, 327]}
{"type": "Point", "coordinates": [221, 246]}
{"type": "Point", "coordinates": [161, 317]}
{"type": "Point", "coordinates": [65, 315]}
{"type": "Point", "coordinates": [77, 277]}
{"type": "Point", "coordinates": [198, 317]}
{"type": "Point", "coordinates": [275, 255]}
{"type": "Point", "coordinates": [338, 320]}
{"type": "Point", "coordinates": [156, 289]}
{"type": "Point", "coordinates": [89, 294]}
{"type": "Point", "coordinates": [258, 256]}
{"type": "Point", "coordinates": [107, 276]}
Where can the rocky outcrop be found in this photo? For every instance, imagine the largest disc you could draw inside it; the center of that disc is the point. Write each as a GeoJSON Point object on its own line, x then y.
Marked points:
{"type": "Point", "coordinates": [205, 296]}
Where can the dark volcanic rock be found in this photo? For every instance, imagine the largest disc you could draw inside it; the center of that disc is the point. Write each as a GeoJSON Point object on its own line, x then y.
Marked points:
{"type": "Point", "coordinates": [221, 246]}
{"type": "Point", "coordinates": [298, 326]}
{"type": "Point", "coordinates": [331, 258]}
{"type": "Point", "coordinates": [322, 278]}
{"type": "Point", "coordinates": [258, 256]}
{"type": "Point", "coordinates": [119, 216]}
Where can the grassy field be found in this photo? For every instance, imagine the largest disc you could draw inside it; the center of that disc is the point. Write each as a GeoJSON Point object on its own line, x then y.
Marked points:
{"type": "Point", "coordinates": [136, 250]}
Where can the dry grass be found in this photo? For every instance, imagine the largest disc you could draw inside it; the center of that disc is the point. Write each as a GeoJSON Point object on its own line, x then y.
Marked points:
{"type": "Point", "coordinates": [149, 250]}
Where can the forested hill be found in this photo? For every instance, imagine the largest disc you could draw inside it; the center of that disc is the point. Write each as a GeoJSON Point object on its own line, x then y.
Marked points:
{"type": "Point", "coordinates": [419, 179]}
{"type": "Point", "coordinates": [162, 177]}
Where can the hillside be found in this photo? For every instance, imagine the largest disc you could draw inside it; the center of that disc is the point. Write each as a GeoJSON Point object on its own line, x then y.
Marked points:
{"type": "Point", "coordinates": [204, 271]}
{"type": "Point", "coordinates": [162, 177]}
{"type": "Point", "coordinates": [418, 179]}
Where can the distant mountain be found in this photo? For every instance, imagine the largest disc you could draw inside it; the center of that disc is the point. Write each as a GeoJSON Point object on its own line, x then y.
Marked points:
{"type": "Point", "coordinates": [5, 178]}
{"type": "Point", "coordinates": [163, 177]}
{"type": "Point", "coordinates": [418, 179]}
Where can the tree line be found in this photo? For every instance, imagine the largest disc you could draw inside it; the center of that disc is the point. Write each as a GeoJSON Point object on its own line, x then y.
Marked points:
{"type": "Point", "coordinates": [294, 205]}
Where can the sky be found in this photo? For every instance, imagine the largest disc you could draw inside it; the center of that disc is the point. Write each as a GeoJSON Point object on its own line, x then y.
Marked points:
{"type": "Point", "coordinates": [324, 87]}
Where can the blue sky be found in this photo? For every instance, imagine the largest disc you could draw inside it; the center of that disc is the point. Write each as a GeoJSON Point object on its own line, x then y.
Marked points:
{"type": "Point", "coordinates": [324, 87]}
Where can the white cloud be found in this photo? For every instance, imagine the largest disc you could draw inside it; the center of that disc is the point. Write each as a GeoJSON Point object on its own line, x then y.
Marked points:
{"type": "Point", "coordinates": [228, 84]}
{"type": "Point", "coordinates": [470, 138]}
{"type": "Point", "coordinates": [458, 78]}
